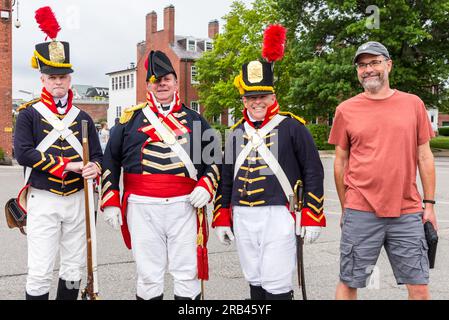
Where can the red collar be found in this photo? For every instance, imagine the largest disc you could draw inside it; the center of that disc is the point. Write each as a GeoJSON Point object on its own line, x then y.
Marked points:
{"type": "Point", "coordinates": [48, 100]}
{"type": "Point", "coordinates": [271, 112]}
{"type": "Point", "coordinates": [153, 106]}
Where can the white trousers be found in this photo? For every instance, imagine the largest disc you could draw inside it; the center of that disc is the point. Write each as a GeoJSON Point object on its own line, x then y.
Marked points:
{"type": "Point", "coordinates": [161, 230]}
{"type": "Point", "coordinates": [54, 223]}
{"type": "Point", "coordinates": [266, 244]}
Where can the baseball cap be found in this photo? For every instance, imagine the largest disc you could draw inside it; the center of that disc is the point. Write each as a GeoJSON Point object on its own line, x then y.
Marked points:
{"type": "Point", "coordinates": [372, 47]}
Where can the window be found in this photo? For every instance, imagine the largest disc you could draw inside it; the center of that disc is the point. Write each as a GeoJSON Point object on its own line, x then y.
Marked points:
{"type": "Point", "coordinates": [113, 83]}
{"type": "Point", "coordinates": [191, 45]}
{"type": "Point", "coordinates": [208, 46]}
{"type": "Point", "coordinates": [193, 75]}
{"type": "Point", "coordinates": [445, 124]}
{"type": "Point", "coordinates": [116, 83]}
{"type": "Point", "coordinates": [432, 118]}
{"type": "Point", "coordinates": [118, 111]}
{"type": "Point", "coordinates": [132, 81]}
{"type": "Point", "coordinates": [195, 106]}
{"type": "Point", "coordinates": [127, 81]}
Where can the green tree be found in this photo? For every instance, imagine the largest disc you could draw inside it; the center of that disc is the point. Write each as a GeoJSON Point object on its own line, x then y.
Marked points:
{"type": "Point", "coordinates": [324, 36]}
{"type": "Point", "coordinates": [240, 42]}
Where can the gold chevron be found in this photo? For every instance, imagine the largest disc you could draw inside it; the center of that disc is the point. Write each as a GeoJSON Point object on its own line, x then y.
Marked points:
{"type": "Point", "coordinates": [106, 187]}
{"type": "Point", "coordinates": [160, 145]}
{"type": "Point", "coordinates": [216, 209]}
{"type": "Point", "coordinates": [106, 174]}
{"type": "Point", "coordinates": [73, 124]}
{"type": "Point", "coordinates": [70, 192]}
{"type": "Point", "coordinates": [315, 208]}
{"type": "Point", "coordinates": [218, 198]}
{"type": "Point", "coordinates": [74, 157]}
{"type": "Point", "coordinates": [162, 167]}
{"type": "Point", "coordinates": [270, 135]}
{"type": "Point", "coordinates": [311, 215]}
{"type": "Point", "coordinates": [52, 162]}
{"type": "Point", "coordinates": [315, 197]}
{"type": "Point", "coordinates": [216, 216]}
{"type": "Point", "coordinates": [40, 162]}
{"type": "Point", "coordinates": [211, 176]}
{"type": "Point", "coordinates": [254, 159]}
{"type": "Point", "coordinates": [158, 154]}
{"type": "Point", "coordinates": [55, 180]}
{"type": "Point", "coordinates": [107, 197]}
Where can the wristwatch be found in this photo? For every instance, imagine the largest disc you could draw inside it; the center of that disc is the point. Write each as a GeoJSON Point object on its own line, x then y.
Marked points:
{"type": "Point", "coordinates": [428, 201]}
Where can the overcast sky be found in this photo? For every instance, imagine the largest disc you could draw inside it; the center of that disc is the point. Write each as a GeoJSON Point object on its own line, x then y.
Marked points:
{"type": "Point", "coordinates": [102, 34]}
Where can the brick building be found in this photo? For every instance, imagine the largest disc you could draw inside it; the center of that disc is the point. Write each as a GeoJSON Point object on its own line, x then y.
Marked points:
{"type": "Point", "coordinates": [6, 77]}
{"type": "Point", "coordinates": [183, 52]}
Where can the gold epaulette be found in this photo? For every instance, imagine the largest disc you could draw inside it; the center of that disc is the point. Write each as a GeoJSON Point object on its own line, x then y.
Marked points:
{"type": "Point", "coordinates": [129, 112]}
{"type": "Point", "coordinates": [237, 124]}
{"type": "Point", "coordinates": [291, 115]}
{"type": "Point", "coordinates": [29, 103]}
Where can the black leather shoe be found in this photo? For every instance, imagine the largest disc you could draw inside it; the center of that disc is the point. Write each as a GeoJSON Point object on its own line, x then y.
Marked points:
{"type": "Point", "coordinates": [257, 293]}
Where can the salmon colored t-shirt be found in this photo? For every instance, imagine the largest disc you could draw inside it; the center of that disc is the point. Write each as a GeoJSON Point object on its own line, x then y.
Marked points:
{"type": "Point", "coordinates": [382, 137]}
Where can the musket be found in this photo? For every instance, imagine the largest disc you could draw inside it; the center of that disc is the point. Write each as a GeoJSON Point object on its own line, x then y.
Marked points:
{"type": "Point", "coordinates": [91, 290]}
{"type": "Point", "coordinates": [296, 204]}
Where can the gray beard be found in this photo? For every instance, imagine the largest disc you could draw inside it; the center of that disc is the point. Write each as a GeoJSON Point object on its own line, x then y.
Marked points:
{"type": "Point", "coordinates": [374, 86]}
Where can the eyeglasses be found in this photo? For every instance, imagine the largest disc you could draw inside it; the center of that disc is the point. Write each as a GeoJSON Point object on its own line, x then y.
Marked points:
{"type": "Point", "coordinates": [373, 64]}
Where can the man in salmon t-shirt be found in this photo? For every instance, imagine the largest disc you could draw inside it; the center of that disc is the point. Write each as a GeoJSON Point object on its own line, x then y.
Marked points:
{"type": "Point", "coordinates": [381, 136]}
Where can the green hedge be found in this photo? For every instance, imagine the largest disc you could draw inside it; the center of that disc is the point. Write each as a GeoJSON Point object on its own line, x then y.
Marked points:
{"type": "Point", "coordinates": [320, 133]}
{"type": "Point", "coordinates": [2, 154]}
{"type": "Point", "coordinates": [443, 131]}
{"type": "Point", "coordinates": [440, 143]}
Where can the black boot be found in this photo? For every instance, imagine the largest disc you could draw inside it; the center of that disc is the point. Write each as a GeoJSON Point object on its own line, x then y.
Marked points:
{"type": "Point", "coordinates": [198, 297]}
{"type": "Point", "coordinates": [42, 297]}
{"type": "Point", "coordinates": [281, 296]}
{"type": "Point", "coordinates": [257, 293]}
{"type": "Point", "coordinates": [155, 298]}
{"type": "Point", "coordinates": [68, 290]}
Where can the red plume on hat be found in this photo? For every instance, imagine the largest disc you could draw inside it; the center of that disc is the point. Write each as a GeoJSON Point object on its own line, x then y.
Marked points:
{"type": "Point", "coordinates": [274, 43]}
{"type": "Point", "coordinates": [47, 22]}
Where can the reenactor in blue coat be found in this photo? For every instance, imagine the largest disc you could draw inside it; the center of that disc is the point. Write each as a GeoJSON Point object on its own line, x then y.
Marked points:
{"type": "Point", "coordinates": [48, 143]}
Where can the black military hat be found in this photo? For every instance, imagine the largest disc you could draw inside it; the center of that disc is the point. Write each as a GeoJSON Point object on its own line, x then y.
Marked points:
{"type": "Point", "coordinates": [51, 57]}
{"type": "Point", "coordinates": [256, 78]}
{"type": "Point", "coordinates": [158, 65]}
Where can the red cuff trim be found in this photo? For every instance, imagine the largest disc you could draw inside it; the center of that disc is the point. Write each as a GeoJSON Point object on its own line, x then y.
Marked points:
{"type": "Point", "coordinates": [309, 219]}
{"type": "Point", "coordinates": [223, 218]}
{"type": "Point", "coordinates": [111, 199]}
{"type": "Point", "coordinates": [206, 183]}
{"type": "Point", "coordinates": [59, 168]}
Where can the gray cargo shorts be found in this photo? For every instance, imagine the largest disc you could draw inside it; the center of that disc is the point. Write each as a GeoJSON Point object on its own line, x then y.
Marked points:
{"type": "Point", "coordinates": [362, 238]}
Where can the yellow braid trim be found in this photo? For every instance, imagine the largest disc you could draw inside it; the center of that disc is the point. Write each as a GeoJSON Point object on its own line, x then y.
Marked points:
{"type": "Point", "coordinates": [34, 63]}
{"type": "Point", "coordinates": [128, 113]}
{"type": "Point", "coordinates": [240, 84]}
{"type": "Point", "coordinates": [237, 124]}
{"type": "Point", "coordinates": [293, 116]}
{"type": "Point", "coordinates": [27, 104]}
{"type": "Point", "coordinates": [51, 63]}
{"type": "Point", "coordinates": [153, 79]}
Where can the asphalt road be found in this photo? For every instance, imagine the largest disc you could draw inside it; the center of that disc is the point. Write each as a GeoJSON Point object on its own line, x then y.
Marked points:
{"type": "Point", "coordinates": [117, 269]}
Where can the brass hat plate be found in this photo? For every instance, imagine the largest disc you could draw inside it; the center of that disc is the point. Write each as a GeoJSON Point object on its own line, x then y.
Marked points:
{"type": "Point", "coordinates": [255, 72]}
{"type": "Point", "coordinates": [56, 51]}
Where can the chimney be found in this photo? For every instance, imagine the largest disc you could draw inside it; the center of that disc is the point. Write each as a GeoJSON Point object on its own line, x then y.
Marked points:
{"type": "Point", "coordinates": [214, 28]}
{"type": "Point", "coordinates": [151, 26]}
{"type": "Point", "coordinates": [169, 23]}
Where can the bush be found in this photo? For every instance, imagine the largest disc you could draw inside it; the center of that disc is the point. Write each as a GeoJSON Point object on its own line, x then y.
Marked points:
{"type": "Point", "coordinates": [2, 154]}
{"type": "Point", "coordinates": [440, 143]}
{"type": "Point", "coordinates": [320, 134]}
{"type": "Point", "coordinates": [443, 131]}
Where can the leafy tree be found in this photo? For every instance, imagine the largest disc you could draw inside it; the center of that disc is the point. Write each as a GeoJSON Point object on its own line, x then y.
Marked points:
{"type": "Point", "coordinates": [324, 36]}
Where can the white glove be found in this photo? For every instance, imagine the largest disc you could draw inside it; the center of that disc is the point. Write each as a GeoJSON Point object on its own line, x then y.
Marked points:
{"type": "Point", "coordinates": [310, 234]}
{"type": "Point", "coordinates": [113, 217]}
{"type": "Point", "coordinates": [225, 235]}
{"type": "Point", "coordinates": [199, 197]}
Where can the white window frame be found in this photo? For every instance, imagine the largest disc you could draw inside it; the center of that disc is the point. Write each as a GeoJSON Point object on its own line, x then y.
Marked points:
{"type": "Point", "coordinates": [188, 42]}
{"type": "Point", "coordinates": [206, 43]}
{"type": "Point", "coordinates": [193, 75]}
{"type": "Point", "coordinates": [132, 80]}
{"type": "Point", "coordinates": [118, 111]}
